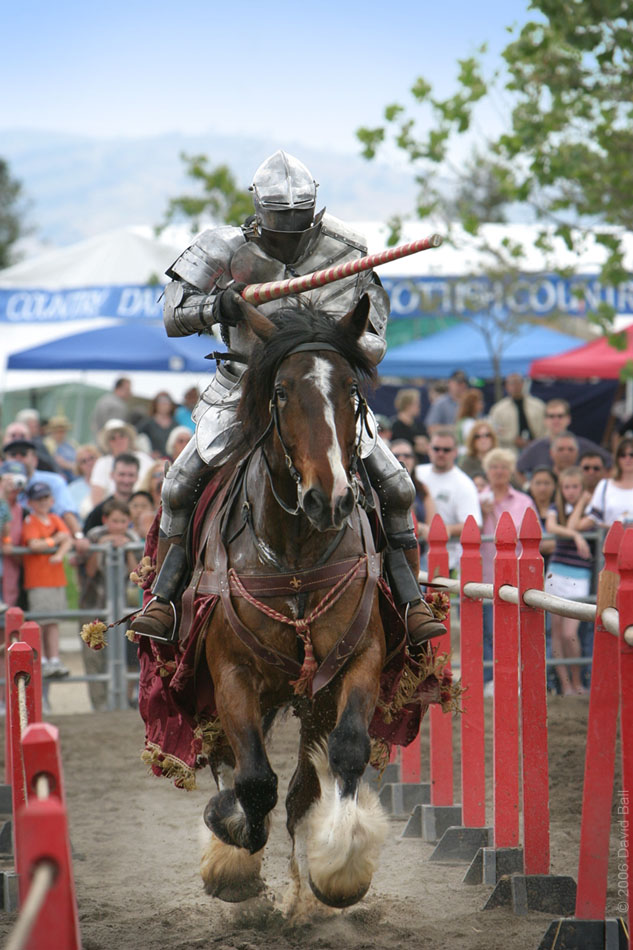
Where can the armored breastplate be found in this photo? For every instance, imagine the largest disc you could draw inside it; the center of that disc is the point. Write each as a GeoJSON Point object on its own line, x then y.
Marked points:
{"type": "Point", "coordinates": [335, 244]}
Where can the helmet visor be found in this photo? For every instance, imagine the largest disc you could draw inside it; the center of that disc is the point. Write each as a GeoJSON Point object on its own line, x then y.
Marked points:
{"type": "Point", "coordinates": [288, 219]}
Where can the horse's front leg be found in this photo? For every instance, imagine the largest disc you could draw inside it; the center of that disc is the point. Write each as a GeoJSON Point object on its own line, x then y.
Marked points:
{"type": "Point", "coordinates": [347, 825]}
{"type": "Point", "coordinates": [238, 816]}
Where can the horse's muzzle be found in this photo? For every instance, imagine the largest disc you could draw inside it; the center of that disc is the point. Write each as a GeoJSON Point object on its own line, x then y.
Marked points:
{"type": "Point", "coordinates": [317, 506]}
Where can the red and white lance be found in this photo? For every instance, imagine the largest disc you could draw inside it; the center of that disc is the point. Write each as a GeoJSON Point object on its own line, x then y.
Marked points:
{"type": "Point", "coordinates": [274, 289]}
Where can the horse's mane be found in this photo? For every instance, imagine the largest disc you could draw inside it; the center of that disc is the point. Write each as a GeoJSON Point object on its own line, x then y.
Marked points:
{"type": "Point", "coordinates": [296, 325]}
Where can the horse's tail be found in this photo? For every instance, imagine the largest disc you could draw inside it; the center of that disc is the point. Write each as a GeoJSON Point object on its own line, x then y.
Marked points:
{"type": "Point", "coordinates": [345, 835]}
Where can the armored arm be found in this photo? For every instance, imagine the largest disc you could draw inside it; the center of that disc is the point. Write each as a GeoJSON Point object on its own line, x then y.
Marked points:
{"type": "Point", "coordinates": [199, 276]}
{"type": "Point", "coordinates": [373, 342]}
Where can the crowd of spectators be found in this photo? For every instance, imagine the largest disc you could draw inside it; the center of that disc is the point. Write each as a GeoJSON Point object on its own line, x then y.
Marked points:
{"type": "Point", "coordinates": [521, 453]}
{"type": "Point", "coordinates": [59, 499]}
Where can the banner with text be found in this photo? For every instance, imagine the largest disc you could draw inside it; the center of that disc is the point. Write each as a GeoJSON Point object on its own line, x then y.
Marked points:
{"type": "Point", "coordinates": [411, 297]}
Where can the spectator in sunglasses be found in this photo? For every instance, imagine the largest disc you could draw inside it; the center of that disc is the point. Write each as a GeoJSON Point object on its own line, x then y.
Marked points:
{"type": "Point", "coordinates": [453, 492]}
{"type": "Point", "coordinates": [480, 440]}
{"type": "Point", "coordinates": [612, 499]}
{"type": "Point", "coordinates": [593, 470]}
{"type": "Point", "coordinates": [557, 421]}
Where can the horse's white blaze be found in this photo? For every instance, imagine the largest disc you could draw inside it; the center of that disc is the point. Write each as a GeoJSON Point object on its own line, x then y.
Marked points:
{"type": "Point", "coordinates": [321, 376]}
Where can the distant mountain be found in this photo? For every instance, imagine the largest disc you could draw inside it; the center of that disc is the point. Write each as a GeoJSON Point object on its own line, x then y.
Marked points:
{"type": "Point", "coordinates": [78, 187]}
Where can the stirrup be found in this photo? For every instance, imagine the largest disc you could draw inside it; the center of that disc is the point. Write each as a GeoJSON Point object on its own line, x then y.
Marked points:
{"type": "Point", "coordinates": [173, 636]}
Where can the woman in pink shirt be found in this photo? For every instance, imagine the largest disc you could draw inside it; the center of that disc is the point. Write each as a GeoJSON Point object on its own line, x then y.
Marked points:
{"type": "Point", "coordinates": [499, 497]}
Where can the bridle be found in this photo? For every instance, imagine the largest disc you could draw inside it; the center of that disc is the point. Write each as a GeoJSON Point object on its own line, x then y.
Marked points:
{"type": "Point", "coordinates": [360, 424]}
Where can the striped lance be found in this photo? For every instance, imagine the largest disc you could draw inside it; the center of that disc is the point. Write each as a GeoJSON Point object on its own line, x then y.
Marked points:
{"type": "Point", "coordinates": [274, 289]}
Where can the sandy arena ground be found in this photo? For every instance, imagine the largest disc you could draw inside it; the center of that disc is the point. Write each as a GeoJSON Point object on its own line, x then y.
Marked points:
{"type": "Point", "coordinates": [136, 853]}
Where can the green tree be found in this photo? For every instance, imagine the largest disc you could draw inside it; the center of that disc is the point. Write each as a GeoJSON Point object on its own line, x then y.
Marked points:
{"type": "Point", "coordinates": [12, 211]}
{"type": "Point", "coordinates": [221, 198]}
{"type": "Point", "coordinates": [566, 146]}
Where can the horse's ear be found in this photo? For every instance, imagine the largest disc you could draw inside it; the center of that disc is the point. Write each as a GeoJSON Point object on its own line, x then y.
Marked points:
{"type": "Point", "coordinates": [355, 321]}
{"type": "Point", "coordinates": [257, 321]}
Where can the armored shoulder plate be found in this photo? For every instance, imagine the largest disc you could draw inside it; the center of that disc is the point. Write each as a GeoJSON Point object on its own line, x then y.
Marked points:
{"type": "Point", "coordinates": [205, 262]}
{"type": "Point", "coordinates": [338, 229]}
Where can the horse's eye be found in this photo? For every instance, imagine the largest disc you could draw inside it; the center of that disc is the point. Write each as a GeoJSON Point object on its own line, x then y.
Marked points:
{"type": "Point", "coordinates": [280, 394]}
{"type": "Point", "coordinates": [353, 389]}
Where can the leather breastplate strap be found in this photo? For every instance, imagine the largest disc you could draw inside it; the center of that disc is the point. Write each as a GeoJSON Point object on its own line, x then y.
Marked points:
{"type": "Point", "coordinates": [319, 577]}
{"type": "Point", "coordinates": [281, 585]}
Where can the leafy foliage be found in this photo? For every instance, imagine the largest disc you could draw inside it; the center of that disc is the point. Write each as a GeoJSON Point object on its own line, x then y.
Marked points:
{"type": "Point", "coordinates": [12, 226]}
{"type": "Point", "coordinates": [566, 146]}
{"type": "Point", "coordinates": [221, 198]}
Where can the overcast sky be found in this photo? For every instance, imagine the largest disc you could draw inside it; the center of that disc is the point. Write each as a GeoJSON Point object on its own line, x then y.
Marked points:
{"type": "Point", "coordinates": [311, 73]}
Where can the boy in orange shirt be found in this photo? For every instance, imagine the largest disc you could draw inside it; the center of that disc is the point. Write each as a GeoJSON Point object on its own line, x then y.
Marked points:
{"type": "Point", "coordinates": [47, 536]}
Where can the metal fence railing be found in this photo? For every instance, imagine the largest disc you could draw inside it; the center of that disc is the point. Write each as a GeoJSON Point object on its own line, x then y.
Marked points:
{"type": "Point", "coordinates": [116, 674]}
{"type": "Point", "coordinates": [115, 606]}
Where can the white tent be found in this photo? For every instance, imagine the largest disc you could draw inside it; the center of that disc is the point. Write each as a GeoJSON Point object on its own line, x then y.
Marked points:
{"type": "Point", "coordinates": [124, 257]}
{"type": "Point", "coordinates": [134, 256]}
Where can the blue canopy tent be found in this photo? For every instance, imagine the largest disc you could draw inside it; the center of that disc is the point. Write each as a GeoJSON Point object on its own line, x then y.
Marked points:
{"type": "Point", "coordinates": [125, 347]}
{"type": "Point", "coordinates": [462, 346]}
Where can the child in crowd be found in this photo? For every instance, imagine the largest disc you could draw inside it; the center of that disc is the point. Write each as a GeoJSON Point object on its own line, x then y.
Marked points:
{"type": "Point", "coordinates": [142, 512]}
{"type": "Point", "coordinates": [568, 575]}
{"type": "Point", "coordinates": [116, 532]}
{"type": "Point", "coordinates": [49, 540]}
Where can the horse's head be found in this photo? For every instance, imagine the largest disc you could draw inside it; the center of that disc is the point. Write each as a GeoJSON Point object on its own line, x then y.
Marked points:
{"type": "Point", "coordinates": [307, 374]}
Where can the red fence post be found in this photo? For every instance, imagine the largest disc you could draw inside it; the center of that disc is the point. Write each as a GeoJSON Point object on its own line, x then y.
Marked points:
{"type": "Point", "coordinates": [471, 654]}
{"type": "Point", "coordinates": [19, 663]}
{"type": "Point", "coordinates": [591, 896]}
{"type": "Point", "coordinates": [41, 754]}
{"type": "Point", "coordinates": [535, 770]}
{"type": "Point", "coordinates": [44, 837]}
{"type": "Point", "coordinates": [30, 633]}
{"type": "Point", "coordinates": [441, 726]}
{"type": "Point", "coordinates": [625, 607]}
{"type": "Point", "coordinates": [13, 620]}
{"type": "Point", "coordinates": [506, 682]}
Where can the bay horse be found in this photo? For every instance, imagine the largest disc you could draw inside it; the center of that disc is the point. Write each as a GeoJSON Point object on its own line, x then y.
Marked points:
{"type": "Point", "coordinates": [297, 622]}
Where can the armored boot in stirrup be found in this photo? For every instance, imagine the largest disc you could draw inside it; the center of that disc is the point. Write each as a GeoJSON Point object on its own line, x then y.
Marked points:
{"type": "Point", "coordinates": [159, 618]}
{"type": "Point", "coordinates": [402, 567]}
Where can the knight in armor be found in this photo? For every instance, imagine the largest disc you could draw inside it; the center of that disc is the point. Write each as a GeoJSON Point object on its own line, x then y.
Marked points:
{"type": "Point", "coordinates": [284, 238]}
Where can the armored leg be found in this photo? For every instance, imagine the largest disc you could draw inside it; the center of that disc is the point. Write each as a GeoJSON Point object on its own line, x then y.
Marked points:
{"type": "Point", "coordinates": [396, 494]}
{"type": "Point", "coordinates": [182, 487]}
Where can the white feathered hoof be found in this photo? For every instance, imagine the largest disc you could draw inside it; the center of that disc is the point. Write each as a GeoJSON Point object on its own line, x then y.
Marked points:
{"type": "Point", "coordinates": [345, 835]}
{"type": "Point", "coordinates": [231, 874]}
{"type": "Point", "coordinates": [338, 901]}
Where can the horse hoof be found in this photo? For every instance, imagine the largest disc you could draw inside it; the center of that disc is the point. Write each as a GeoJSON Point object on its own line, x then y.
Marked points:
{"type": "Point", "coordinates": [235, 892]}
{"type": "Point", "coordinates": [339, 901]}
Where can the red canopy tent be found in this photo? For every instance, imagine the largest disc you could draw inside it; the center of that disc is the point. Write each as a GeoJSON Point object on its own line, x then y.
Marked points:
{"type": "Point", "coordinates": [597, 359]}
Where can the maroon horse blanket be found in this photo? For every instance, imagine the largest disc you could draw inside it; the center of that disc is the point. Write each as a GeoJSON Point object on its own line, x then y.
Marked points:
{"type": "Point", "coordinates": [176, 698]}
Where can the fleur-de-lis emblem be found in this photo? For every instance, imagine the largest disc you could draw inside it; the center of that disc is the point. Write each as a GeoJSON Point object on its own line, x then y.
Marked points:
{"type": "Point", "coordinates": [296, 583]}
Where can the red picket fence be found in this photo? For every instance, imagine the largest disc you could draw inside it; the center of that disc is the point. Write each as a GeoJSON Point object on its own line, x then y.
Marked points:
{"type": "Point", "coordinates": [48, 918]}
{"type": "Point", "coordinates": [520, 699]}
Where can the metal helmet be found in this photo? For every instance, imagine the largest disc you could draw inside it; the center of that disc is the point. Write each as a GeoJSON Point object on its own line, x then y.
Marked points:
{"type": "Point", "coordinates": [284, 196]}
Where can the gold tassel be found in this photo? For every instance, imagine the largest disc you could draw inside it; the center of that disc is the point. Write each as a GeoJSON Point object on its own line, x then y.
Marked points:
{"type": "Point", "coordinates": [439, 602]}
{"type": "Point", "coordinates": [93, 634]}
{"type": "Point", "coordinates": [143, 570]}
{"type": "Point", "coordinates": [172, 768]}
{"type": "Point", "coordinates": [379, 755]}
